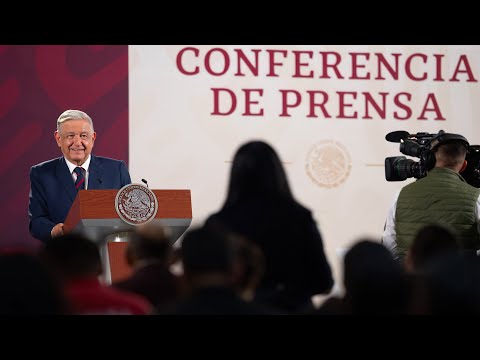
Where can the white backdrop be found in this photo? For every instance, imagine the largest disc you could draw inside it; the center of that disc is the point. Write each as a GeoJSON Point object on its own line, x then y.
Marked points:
{"type": "Point", "coordinates": [334, 156]}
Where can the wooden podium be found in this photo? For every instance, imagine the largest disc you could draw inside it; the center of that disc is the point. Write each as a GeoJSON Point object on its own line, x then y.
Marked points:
{"type": "Point", "coordinates": [93, 214]}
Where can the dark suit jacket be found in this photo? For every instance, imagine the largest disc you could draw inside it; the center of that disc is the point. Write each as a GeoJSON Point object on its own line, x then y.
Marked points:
{"type": "Point", "coordinates": [295, 263]}
{"type": "Point", "coordinates": [52, 190]}
{"type": "Point", "coordinates": [154, 282]}
{"type": "Point", "coordinates": [215, 301]}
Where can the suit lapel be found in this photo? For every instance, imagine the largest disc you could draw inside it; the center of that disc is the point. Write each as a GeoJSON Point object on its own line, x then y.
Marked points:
{"type": "Point", "coordinates": [65, 178]}
{"type": "Point", "coordinates": [95, 174]}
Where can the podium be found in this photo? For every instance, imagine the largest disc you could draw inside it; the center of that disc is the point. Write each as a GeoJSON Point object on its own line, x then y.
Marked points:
{"type": "Point", "coordinates": [93, 214]}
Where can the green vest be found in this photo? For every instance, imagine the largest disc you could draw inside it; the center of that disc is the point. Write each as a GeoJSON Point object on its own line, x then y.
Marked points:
{"type": "Point", "coordinates": [443, 197]}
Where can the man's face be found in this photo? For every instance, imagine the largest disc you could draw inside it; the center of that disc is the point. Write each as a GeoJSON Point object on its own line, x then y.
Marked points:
{"type": "Point", "coordinates": [75, 138]}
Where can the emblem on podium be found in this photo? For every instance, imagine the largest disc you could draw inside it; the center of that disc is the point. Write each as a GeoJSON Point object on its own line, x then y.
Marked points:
{"type": "Point", "coordinates": [136, 204]}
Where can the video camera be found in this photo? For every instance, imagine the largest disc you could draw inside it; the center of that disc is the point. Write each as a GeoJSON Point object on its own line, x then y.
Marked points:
{"type": "Point", "coordinates": [422, 145]}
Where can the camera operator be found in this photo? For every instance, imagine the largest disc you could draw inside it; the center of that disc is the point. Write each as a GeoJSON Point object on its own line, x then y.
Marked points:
{"type": "Point", "coordinates": [442, 197]}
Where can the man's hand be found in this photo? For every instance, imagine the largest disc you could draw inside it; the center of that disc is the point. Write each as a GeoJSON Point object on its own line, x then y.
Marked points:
{"type": "Point", "coordinates": [57, 230]}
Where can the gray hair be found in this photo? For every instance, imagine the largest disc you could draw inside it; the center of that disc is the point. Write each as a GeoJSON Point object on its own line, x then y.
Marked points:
{"type": "Point", "coordinates": [73, 115]}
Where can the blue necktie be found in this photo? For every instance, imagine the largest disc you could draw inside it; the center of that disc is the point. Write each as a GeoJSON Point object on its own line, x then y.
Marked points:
{"type": "Point", "coordinates": [80, 182]}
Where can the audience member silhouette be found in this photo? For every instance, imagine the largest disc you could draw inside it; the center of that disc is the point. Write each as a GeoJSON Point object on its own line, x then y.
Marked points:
{"type": "Point", "coordinates": [248, 262]}
{"type": "Point", "coordinates": [208, 269]}
{"type": "Point", "coordinates": [375, 283]}
{"type": "Point", "coordinates": [430, 242]}
{"type": "Point", "coordinates": [28, 287]}
{"type": "Point", "coordinates": [452, 287]}
{"type": "Point", "coordinates": [260, 206]}
{"type": "Point", "coordinates": [76, 260]}
{"type": "Point", "coordinates": [148, 252]}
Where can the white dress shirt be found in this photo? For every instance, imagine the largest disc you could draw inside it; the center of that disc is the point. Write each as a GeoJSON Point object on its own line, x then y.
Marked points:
{"type": "Point", "coordinates": [85, 166]}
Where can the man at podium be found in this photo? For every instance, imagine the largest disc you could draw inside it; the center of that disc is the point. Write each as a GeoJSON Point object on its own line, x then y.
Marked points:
{"type": "Point", "coordinates": [54, 183]}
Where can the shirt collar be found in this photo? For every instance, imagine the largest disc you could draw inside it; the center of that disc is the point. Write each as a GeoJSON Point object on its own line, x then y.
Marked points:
{"type": "Point", "coordinates": [72, 166]}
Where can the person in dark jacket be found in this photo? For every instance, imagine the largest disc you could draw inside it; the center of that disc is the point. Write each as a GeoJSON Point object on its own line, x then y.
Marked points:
{"type": "Point", "coordinates": [54, 184]}
{"type": "Point", "coordinates": [261, 207]}
{"type": "Point", "coordinates": [149, 252]}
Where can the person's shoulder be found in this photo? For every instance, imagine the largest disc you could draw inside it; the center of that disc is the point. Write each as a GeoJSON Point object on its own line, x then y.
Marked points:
{"type": "Point", "coordinates": [299, 209]}
{"type": "Point", "coordinates": [473, 190]}
{"type": "Point", "coordinates": [413, 185]}
{"type": "Point", "coordinates": [48, 164]}
{"type": "Point", "coordinates": [470, 186]}
{"type": "Point", "coordinates": [215, 218]}
{"type": "Point", "coordinates": [106, 160]}
{"type": "Point", "coordinates": [292, 210]}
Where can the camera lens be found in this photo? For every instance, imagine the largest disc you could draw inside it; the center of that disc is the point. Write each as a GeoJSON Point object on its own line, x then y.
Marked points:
{"type": "Point", "coordinates": [406, 168]}
{"type": "Point", "coordinates": [410, 148]}
{"type": "Point", "coordinates": [400, 168]}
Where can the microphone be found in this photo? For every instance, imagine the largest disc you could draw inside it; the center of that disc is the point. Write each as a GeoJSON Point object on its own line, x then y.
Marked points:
{"type": "Point", "coordinates": [396, 136]}
{"type": "Point", "coordinates": [145, 182]}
